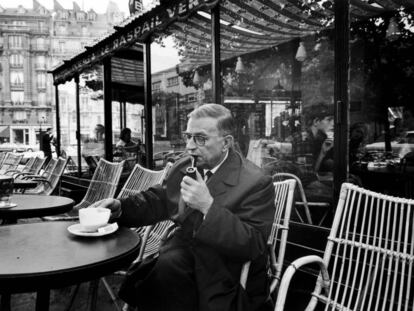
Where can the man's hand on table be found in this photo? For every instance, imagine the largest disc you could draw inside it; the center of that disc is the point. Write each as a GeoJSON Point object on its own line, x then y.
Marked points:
{"type": "Point", "coordinates": [113, 204]}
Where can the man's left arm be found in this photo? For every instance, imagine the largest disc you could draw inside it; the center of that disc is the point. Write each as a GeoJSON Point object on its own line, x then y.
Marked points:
{"type": "Point", "coordinates": [240, 231]}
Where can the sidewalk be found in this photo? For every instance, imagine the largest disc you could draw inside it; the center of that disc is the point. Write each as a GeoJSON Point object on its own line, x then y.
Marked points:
{"type": "Point", "coordinates": [60, 298]}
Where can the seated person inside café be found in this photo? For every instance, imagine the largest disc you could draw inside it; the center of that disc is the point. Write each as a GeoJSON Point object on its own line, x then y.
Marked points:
{"type": "Point", "coordinates": [94, 148]}
{"type": "Point", "coordinates": [125, 143]}
{"type": "Point", "coordinates": [222, 223]}
{"type": "Point", "coordinates": [317, 141]}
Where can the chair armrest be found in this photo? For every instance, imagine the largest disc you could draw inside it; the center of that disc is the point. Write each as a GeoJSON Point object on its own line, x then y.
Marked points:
{"type": "Point", "coordinates": [321, 204]}
{"type": "Point", "coordinates": [10, 171]}
{"type": "Point", "coordinates": [43, 180]}
{"type": "Point", "coordinates": [31, 176]}
{"type": "Point", "coordinates": [244, 274]}
{"type": "Point", "coordinates": [291, 270]}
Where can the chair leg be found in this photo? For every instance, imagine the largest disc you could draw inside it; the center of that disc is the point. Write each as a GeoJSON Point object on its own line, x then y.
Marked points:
{"type": "Point", "coordinates": [111, 293]}
{"type": "Point", "coordinates": [72, 299]}
{"type": "Point", "coordinates": [93, 295]}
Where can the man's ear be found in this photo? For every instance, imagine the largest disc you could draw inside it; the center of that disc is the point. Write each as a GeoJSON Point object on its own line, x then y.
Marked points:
{"type": "Point", "coordinates": [228, 142]}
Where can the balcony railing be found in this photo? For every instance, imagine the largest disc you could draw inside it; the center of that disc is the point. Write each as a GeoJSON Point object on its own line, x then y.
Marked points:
{"type": "Point", "coordinates": [40, 47]}
{"type": "Point", "coordinates": [17, 85]}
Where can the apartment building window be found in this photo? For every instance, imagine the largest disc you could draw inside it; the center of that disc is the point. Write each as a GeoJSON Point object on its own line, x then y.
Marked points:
{"type": "Point", "coordinates": [20, 115]}
{"type": "Point", "coordinates": [17, 97]}
{"type": "Point", "coordinates": [41, 80]}
{"type": "Point", "coordinates": [16, 42]}
{"type": "Point", "coordinates": [42, 26]}
{"type": "Point", "coordinates": [63, 15]}
{"type": "Point", "coordinates": [16, 78]}
{"type": "Point", "coordinates": [172, 81]}
{"type": "Point", "coordinates": [91, 16]}
{"type": "Point", "coordinates": [16, 60]}
{"type": "Point", "coordinates": [62, 29]}
{"type": "Point", "coordinates": [41, 99]}
{"type": "Point", "coordinates": [19, 23]}
{"type": "Point", "coordinates": [80, 16]}
{"type": "Point", "coordinates": [40, 62]}
{"type": "Point", "coordinates": [192, 97]}
{"type": "Point", "coordinates": [40, 43]}
{"type": "Point", "coordinates": [61, 46]}
{"type": "Point", "coordinates": [84, 31]}
{"type": "Point", "coordinates": [156, 86]}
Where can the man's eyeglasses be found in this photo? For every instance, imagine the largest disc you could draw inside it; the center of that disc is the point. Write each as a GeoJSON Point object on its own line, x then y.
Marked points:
{"type": "Point", "coordinates": [200, 140]}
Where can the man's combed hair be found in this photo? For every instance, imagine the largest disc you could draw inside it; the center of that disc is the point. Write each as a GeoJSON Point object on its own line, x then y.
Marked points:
{"type": "Point", "coordinates": [225, 120]}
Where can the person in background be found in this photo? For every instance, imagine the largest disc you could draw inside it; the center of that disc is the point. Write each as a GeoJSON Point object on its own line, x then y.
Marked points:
{"type": "Point", "coordinates": [125, 141]}
{"type": "Point", "coordinates": [222, 222]}
{"type": "Point", "coordinates": [317, 141]}
{"type": "Point", "coordinates": [357, 139]}
{"type": "Point", "coordinates": [46, 145]}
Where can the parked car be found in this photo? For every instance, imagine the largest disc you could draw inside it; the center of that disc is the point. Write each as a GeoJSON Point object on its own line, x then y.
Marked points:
{"type": "Point", "coordinates": [401, 146]}
{"type": "Point", "coordinates": [13, 147]}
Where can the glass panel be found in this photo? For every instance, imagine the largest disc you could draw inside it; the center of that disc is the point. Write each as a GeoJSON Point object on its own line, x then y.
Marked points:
{"type": "Point", "coordinates": [177, 89]}
{"type": "Point", "coordinates": [381, 114]}
{"type": "Point", "coordinates": [127, 107]}
{"type": "Point", "coordinates": [67, 109]}
{"type": "Point", "coordinates": [281, 96]}
{"type": "Point", "coordinates": [92, 121]}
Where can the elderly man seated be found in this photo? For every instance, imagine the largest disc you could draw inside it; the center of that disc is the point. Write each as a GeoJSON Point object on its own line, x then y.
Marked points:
{"type": "Point", "coordinates": [223, 221]}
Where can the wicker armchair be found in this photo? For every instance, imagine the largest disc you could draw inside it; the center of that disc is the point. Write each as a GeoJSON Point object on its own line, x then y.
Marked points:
{"type": "Point", "coordinates": [368, 259]}
{"type": "Point", "coordinates": [103, 185]}
{"type": "Point", "coordinates": [141, 179]}
{"type": "Point", "coordinates": [10, 162]}
{"type": "Point", "coordinates": [50, 178]}
{"type": "Point", "coordinates": [32, 167]}
{"type": "Point", "coordinates": [277, 239]}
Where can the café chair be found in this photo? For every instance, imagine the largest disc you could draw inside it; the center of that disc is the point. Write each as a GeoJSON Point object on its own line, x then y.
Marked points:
{"type": "Point", "coordinates": [11, 161]}
{"type": "Point", "coordinates": [139, 180]}
{"type": "Point", "coordinates": [368, 259]}
{"type": "Point", "coordinates": [103, 185]}
{"type": "Point", "coordinates": [277, 240]}
{"type": "Point", "coordinates": [48, 182]}
{"type": "Point", "coordinates": [2, 157]}
{"type": "Point", "coordinates": [32, 167]}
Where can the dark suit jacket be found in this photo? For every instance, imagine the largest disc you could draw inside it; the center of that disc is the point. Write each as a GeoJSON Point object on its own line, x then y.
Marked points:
{"type": "Point", "coordinates": [233, 232]}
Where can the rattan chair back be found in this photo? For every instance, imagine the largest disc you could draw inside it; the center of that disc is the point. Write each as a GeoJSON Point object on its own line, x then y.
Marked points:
{"type": "Point", "coordinates": [2, 157]}
{"type": "Point", "coordinates": [10, 162]}
{"type": "Point", "coordinates": [103, 184]}
{"type": "Point", "coordinates": [51, 177]}
{"type": "Point", "coordinates": [141, 179]}
{"type": "Point", "coordinates": [368, 259]}
{"type": "Point", "coordinates": [277, 241]}
{"type": "Point", "coordinates": [24, 170]}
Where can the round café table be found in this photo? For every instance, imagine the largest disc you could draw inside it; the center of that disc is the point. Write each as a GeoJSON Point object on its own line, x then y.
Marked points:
{"type": "Point", "coordinates": [42, 256]}
{"type": "Point", "coordinates": [36, 205]}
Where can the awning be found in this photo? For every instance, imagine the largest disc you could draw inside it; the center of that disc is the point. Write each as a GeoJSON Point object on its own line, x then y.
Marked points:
{"type": "Point", "coordinates": [246, 27]}
{"type": "Point", "coordinates": [5, 131]}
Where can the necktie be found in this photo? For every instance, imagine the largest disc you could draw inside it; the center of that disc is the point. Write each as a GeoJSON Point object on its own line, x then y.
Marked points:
{"type": "Point", "coordinates": [207, 176]}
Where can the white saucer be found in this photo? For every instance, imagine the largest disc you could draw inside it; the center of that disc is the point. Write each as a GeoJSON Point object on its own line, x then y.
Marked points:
{"type": "Point", "coordinates": [76, 229]}
{"type": "Point", "coordinates": [7, 205]}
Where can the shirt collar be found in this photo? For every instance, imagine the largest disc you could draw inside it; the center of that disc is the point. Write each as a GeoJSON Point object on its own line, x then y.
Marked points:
{"type": "Point", "coordinates": [214, 169]}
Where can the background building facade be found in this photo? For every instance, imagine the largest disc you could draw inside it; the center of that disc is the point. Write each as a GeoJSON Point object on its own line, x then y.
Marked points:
{"type": "Point", "coordinates": [33, 41]}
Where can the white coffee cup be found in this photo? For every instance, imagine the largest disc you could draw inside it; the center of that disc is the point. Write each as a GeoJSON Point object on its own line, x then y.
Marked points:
{"type": "Point", "coordinates": [93, 218]}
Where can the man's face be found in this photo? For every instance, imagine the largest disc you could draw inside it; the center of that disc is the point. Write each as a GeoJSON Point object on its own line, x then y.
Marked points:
{"type": "Point", "coordinates": [326, 124]}
{"type": "Point", "coordinates": [213, 151]}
